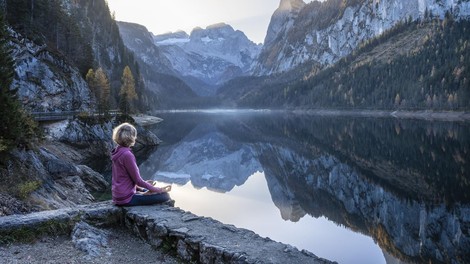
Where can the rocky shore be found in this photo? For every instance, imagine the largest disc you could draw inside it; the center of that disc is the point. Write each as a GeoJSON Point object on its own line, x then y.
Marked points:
{"type": "Point", "coordinates": [178, 235]}
{"type": "Point", "coordinates": [53, 175]}
{"type": "Point", "coordinates": [56, 172]}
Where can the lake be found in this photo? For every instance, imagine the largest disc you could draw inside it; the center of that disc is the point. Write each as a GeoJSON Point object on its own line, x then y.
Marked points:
{"type": "Point", "coordinates": [349, 189]}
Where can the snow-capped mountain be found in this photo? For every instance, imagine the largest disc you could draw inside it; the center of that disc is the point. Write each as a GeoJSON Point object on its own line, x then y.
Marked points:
{"type": "Point", "coordinates": [213, 55]}
{"type": "Point", "coordinates": [324, 32]}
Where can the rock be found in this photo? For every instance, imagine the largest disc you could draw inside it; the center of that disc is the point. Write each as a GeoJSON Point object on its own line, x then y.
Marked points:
{"type": "Point", "coordinates": [145, 138]}
{"type": "Point", "coordinates": [93, 180]}
{"type": "Point", "coordinates": [59, 168]}
{"type": "Point", "coordinates": [92, 140]}
{"type": "Point", "coordinates": [10, 205]}
{"type": "Point", "coordinates": [57, 222]}
{"type": "Point", "coordinates": [89, 239]}
{"type": "Point", "coordinates": [48, 182]}
{"type": "Point", "coordinates": [205, 240]}
{"type": "Point", "coordinates": [95, 140]}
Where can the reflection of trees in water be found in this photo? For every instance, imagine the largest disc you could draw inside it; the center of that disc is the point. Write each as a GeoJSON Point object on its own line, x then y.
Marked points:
{"type": "Point", "coordinates": [414, 158]}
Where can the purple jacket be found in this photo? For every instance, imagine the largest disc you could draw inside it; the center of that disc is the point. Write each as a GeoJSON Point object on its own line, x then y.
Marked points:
{"type": "Point", "coordinates": [126, 176]}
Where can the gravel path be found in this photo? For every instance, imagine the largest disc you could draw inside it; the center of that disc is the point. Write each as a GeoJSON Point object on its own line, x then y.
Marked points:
{"type": "Point", "coordinates": [123, 247]}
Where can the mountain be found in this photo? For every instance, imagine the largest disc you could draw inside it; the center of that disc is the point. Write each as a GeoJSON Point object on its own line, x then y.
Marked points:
{"type": "Point", "coordinates": [157, 72]}
{"type": "Point", "coordinates": [417, 63]}
{"type": "Point", "coordinates": [209, 57]}
{"type": "Point", "coordinates": [324, 32]}
{"type": "Point", "coordinates": [203, 60]}
{"type": "Point", "coordinates": [282, 19]}
{"type": "Point", "coordinates": [138, 39]}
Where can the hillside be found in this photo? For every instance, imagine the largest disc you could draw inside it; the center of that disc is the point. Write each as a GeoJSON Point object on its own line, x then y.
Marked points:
{"type": "Point", "coordinates": [415, 65]}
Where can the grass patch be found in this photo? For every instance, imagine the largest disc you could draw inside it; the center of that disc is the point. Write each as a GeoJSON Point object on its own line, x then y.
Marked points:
{"type": "Point", "coordinates": [30, 234]}
{"type": "Point", "coordinates": [26, 188]}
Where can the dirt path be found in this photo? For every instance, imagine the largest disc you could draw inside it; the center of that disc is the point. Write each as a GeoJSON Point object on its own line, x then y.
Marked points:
{"type": "Point", "coordinates": [123, 247]}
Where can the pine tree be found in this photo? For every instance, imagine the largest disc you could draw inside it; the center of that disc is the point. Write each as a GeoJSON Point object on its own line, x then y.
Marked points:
{"type": "Point", "coordinates": [16, 127]}
{"type": "Point", "coordinates": [127, 94]}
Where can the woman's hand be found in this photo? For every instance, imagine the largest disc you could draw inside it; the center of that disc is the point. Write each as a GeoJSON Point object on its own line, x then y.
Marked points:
{"type": "Point", "coordinates": [162, 190]}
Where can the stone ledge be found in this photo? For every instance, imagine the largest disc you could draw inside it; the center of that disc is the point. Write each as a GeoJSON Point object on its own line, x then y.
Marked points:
{"type": "Point", "coordinates": [56, 222]}
{"type": "Point", "coordinates": [194, 238]}
{"type": "Point", "coordinates": [206, 240]}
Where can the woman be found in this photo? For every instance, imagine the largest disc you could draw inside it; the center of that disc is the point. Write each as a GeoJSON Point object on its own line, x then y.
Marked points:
{"type": "Point", "coordinates": [126, 178]}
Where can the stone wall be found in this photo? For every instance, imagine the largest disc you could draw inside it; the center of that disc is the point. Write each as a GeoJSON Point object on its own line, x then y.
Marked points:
{"type": "Point", "coordinates": [194, 238]}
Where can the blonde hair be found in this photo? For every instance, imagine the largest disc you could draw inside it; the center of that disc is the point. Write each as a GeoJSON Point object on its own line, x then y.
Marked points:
{"type": "Point", "coordinates": [125, 135]}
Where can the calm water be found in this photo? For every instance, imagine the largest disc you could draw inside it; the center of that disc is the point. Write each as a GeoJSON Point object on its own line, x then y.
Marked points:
{"type": "Point", "coordinates": [353, 190]}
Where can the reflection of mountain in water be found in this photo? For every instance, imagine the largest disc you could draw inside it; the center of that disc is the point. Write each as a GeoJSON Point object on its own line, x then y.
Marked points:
{"type": "Point", "coordinates": [404, 183]}
{"type": "Point", "coordinates": [324, 168]}
{"type": "Point", "coordinates": [410, 230]}
{"type": "Point", "coordinates": [205, 157]}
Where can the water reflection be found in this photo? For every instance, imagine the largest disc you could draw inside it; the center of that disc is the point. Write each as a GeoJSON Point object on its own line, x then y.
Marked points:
{"type": "Point", "coordinates": [405, 183]}
{"type": "Point", "coordinates": [205, 157]}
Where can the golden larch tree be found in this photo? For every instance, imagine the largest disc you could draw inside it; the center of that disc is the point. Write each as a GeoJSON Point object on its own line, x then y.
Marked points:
{"type": "Point", "coordinates": [127, 94]}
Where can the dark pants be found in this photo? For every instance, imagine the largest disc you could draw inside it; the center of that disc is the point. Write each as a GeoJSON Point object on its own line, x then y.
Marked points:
{"type": "Point", "coordinates": [140, 199]}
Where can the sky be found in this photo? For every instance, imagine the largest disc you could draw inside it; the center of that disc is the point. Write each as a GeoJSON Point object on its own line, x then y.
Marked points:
{"type": "Point", "coordinates": [162, 16]}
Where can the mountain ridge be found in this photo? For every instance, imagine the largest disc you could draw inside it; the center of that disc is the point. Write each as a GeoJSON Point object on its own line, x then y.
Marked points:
{"type": "Point", "coordinates": [325, 32]}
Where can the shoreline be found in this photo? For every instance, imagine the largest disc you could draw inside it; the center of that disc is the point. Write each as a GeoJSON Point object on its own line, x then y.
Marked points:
{"type": "Point", "coordinates": [430, 115]}
{"type": "Point", "coordinates": [174, 234]}
{"type": "Point", "coordinates": [146, 120]}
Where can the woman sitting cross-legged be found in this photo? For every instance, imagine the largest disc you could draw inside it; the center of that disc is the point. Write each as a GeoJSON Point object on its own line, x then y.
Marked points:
{"type": "Point", "coordinates": [128, 188]}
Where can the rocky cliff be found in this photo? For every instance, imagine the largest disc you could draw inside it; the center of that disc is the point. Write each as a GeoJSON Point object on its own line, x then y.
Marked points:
{"type": "Point", "coordinates": [138, 39]}
{"type": "Point", "coordinates": [323, 32]}
{"type": "Point", "coordinates": [45, 80]}
{"type": "Point", "coordinates": [56, 173]}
